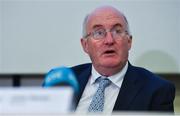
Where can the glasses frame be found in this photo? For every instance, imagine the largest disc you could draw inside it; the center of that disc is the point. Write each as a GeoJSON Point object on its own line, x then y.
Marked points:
{"type": "Point", "coordinates": [92, 34]}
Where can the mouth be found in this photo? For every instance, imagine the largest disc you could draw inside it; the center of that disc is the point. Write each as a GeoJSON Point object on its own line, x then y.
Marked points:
{"type": "Point", "coordinates": [109, 52]}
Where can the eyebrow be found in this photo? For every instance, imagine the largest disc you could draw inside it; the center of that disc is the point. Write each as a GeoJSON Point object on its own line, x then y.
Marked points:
{"type": "Point", "coordinates": [98, 25]}
{"type": "Point", "coordinates": [117, 24]}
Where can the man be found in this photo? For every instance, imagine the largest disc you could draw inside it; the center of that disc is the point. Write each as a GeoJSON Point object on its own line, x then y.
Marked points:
{"type": "Point", "coordinates": [107, 41]}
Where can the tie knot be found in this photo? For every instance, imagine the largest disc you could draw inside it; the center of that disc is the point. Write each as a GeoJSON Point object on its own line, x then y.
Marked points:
{"type": "Point", "coordinates": [104, 82]}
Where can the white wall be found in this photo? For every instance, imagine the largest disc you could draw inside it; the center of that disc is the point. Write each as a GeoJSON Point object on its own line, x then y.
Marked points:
{"type": "Point", "coordinates": [0, 35]}
{"type": "Point", "coordinates": [39, 35]}
{"type": "Point", "coordinates": [156, 35]}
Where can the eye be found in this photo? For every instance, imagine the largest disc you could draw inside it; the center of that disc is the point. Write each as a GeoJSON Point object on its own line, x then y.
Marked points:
{"type": "Point", "coordinates": [99, 33]}
{"type": "Point", "coordinates": [117, 31]}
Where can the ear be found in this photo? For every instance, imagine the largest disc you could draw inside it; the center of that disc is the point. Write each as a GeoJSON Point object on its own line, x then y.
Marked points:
{"type": "Point", "coordinates": [129, 41]}
{"type": "Point", "coordinates": [84, 45]}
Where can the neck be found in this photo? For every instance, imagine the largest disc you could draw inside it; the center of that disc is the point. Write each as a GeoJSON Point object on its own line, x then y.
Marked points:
{"type": "Point", "coordinates": [109, 71]}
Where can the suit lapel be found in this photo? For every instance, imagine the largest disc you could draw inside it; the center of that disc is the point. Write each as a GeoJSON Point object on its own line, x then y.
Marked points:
{"type": "Point", "coordinates": [129, 89]}
{"type": "Point", "coordinates": [83, 79]}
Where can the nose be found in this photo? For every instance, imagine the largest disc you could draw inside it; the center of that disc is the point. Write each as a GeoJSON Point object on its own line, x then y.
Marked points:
{"type": "Point", "coordinates": [109, 38]}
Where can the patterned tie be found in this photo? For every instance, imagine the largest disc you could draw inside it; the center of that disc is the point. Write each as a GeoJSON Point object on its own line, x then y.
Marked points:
{"type": "Point", "coordinates": [97, 102]}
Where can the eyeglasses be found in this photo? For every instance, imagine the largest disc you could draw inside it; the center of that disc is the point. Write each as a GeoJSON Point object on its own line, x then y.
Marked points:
{"type": "Point", "coordinates": [100, 33]}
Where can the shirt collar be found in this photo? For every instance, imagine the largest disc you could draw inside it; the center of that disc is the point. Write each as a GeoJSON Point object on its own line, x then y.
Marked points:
{"type": "Point", "coordinates": [94, 75]}
{"type": "Point", "coordinates": [116, 78]}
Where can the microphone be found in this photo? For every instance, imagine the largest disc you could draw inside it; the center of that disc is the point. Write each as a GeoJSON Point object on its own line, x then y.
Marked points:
{"type": "Point", "coordinates": [61, 76]}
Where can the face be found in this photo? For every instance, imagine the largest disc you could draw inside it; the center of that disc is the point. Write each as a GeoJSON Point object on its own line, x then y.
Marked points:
{"type": "Point", "coordinates": [107, 52]}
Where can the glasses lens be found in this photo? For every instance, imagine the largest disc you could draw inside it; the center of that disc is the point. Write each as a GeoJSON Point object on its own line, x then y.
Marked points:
{"type": "Point", "coordinates": [99, 34]}
{"type": "Point", "coordinates": [117, 32]}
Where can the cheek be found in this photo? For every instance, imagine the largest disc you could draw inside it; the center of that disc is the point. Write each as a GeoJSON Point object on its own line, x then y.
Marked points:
{"type": "Point", "coordinates": [123, 48]}
{"type": "Point", "coordinates": [94, 51]}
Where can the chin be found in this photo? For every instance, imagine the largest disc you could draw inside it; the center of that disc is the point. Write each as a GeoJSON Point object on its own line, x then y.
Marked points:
{"type": "Point", "coordinates": [110, 64]}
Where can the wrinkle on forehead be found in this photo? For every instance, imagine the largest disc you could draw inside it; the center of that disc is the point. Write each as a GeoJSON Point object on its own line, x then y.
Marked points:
{"type": "Point", "coordinates": [107, 12]}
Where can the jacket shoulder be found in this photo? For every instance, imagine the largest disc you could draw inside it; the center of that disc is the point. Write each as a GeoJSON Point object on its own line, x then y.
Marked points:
{"type": "Point", "coordinates": [78, 69]}
{"type": "Point", "coordinates": [152, 78]}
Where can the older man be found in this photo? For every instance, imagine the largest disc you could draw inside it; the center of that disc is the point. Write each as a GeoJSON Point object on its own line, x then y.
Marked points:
{"type": "Point", "coordinates": [110, 83]}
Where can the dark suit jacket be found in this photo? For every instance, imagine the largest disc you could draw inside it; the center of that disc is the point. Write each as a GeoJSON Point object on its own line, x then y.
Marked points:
{"type": "Point", "coordinates": [141, 90]}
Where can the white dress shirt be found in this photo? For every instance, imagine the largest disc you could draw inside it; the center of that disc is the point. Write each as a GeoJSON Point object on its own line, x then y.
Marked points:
{"type": "Point", "coordinates": [111, 92]}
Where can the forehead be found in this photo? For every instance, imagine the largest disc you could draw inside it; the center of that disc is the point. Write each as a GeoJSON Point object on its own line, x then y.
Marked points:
{"type": "Point", "coordinates": [106, 17]}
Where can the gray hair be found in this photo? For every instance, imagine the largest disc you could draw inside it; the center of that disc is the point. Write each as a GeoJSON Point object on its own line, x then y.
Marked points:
{"type": "Point", "coordinates": [84, 32]}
